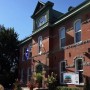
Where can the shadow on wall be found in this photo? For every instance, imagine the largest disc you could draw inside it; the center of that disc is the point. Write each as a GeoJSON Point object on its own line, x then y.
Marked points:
{"type": "Point", "coordinates": [87, 54]}
{"type": "Point", "coordinates": [69, 39]}
{"type": "Point", "coordinates": [87, 83]}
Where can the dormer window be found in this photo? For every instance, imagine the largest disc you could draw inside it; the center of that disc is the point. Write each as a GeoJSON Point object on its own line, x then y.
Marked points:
{"type": "Point", "coordinates": [41, 21]}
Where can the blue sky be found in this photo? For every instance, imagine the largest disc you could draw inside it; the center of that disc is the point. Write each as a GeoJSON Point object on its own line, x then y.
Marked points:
{"type": "Point", "coordinates": [17, 13]}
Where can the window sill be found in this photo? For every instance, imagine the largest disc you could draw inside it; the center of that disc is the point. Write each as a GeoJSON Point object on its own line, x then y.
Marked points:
{"type": "Point", "coordinates": [62, 48]}
{"type": "Point", "coordinates": [80, 84]}
{"type": "Point", "coordinates": [78, 43]}
{"type": "Point", "coordinates": [40, 53]}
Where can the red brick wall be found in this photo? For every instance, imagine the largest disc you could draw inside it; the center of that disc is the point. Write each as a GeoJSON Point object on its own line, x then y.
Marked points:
{"type": "Point", "coordinates": [50, 42]}
{"type": "Point", "coordinates": [24, 64]}
{"type": "Point", "coordinates": [70, 53]}
{"type": "Point", "coordinates": [41, 57]}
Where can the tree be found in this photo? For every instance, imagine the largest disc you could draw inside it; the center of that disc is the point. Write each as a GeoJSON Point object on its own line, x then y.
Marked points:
{"type": "Point", "coordinates": [8, 55]}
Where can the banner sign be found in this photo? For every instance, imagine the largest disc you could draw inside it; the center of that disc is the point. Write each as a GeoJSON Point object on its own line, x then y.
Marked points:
{"type": "Point", "coordinates": [71, 78]}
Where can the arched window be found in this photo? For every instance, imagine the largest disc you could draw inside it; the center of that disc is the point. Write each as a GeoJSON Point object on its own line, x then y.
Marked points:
{"type": "Point", "coordinates": [39, 68]}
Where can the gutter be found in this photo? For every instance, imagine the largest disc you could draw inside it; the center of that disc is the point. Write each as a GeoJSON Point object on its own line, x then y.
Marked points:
{"type": "Point", "coordinates": [22, 42]}
{"type": "Point", "coordinates": [65, 17]}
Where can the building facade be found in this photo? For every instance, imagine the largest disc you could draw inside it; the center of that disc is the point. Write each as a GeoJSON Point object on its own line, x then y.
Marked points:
{"type": "Point", "coordinates": [59, 43]}
{"type": "Point", "coordinates": [25, 60]}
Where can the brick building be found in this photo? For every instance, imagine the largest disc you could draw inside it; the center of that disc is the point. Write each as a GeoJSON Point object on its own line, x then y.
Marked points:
{"type": "Point", "coordinates": [59, 43]}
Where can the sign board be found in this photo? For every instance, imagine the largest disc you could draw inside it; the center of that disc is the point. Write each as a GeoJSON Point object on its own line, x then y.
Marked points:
{"type": "Point", "coordinates": [76, 79]}
{"type": "Point", "coordinates": [71, 78]}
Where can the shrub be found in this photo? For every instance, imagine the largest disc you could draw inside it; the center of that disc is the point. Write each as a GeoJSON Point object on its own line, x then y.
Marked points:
{"type": "Point", "coordinates": [51, 81]}
{"type": "Point", "coordinates": [39, 77]}
{"type": "Point", "coordinates": [66, 88]}
{"type": "Point", "coordinates": [17, 85]}
{"type": "Point", "coordinates": [31, 85]}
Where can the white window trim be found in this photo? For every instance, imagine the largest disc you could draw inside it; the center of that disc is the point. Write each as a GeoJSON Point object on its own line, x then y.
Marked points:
{"type": "Point", "coordinates": [78, 70]}
{"type": "Point", "coordinates": [60, 37]}
{"type": "Point", "coordinates": [61, 71]}
{"type": "Point", "coordinates": [78, 31]}
{"type": "Point", "coordinates": [39, 51]}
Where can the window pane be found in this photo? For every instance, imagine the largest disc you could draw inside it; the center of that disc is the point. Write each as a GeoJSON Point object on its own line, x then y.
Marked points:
{"type": "Point", "coordinates": [79, 69]}
{"type": "Point", "coordinates": [26, 54]}
{"type": "Point", "coordinates": [79, 64]}
{"type": "Point", "coordinates": [30, 51]}
{"type": "Point", "coordinates": [28, 74]}
{"type": "Point", "coordinates": [61, 77]}
{"type": "Point", "coordinates": [41, 21]}
{"type": "Point", "coordinates": [63, 42]}
{"type": "Point", "coordinates": [30, 48]}
{"type": "Point", "coordinates": [80, 77]}
{"type": "Point", "coordinates": [25, 49]}
{"type": "Point", "coordinates": [78, 25]}
{"type": "Point", "coordinates": [29, 71]}
{"type": "Point", "coordinates": [62, 33]}
{"type": "Point", "coordinates": [78, 36]}
{"type": "Point", "coordinates": [63, 69]}
{"type": "Point", "coordinates": [39, 43]}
